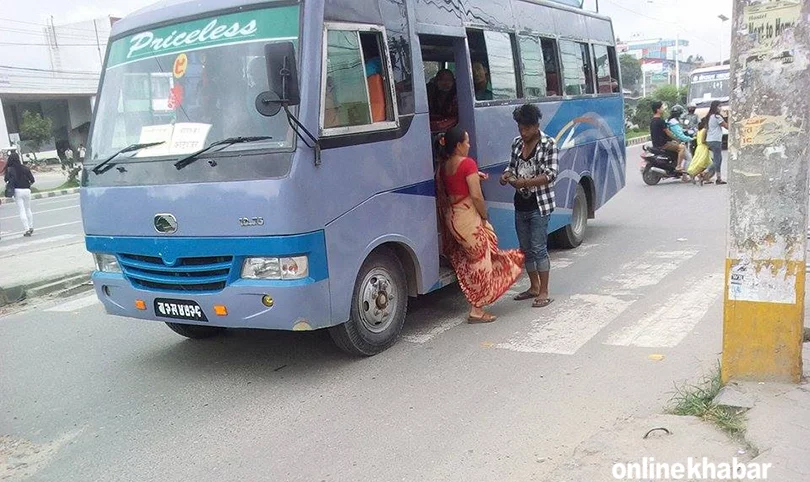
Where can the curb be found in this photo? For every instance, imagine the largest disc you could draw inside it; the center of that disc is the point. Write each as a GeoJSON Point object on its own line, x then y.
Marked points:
{"type": "Point", "coordinates": [65, 282]}
{"type": "Point", "coordinates": [43, 195]}
{"type": "Point", "coordinates": [637, 141]}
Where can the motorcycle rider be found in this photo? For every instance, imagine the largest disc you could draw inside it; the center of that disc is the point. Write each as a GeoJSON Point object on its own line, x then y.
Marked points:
{"type": "Point", "coordinates": [691, 119]}
{"type": "Point", "coordinates": [661, 135]}
{"type": "Point", "coordinates": [677, 133]}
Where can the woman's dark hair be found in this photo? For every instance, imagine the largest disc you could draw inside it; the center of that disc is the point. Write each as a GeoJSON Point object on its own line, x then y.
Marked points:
{"type": "Point", "coordinates": [527, 115]}
{"type": "Point", "coordinates": [703, 123]}
{"type": "Point", "coordinates": [714, 108]}
{"type": "Point", "coordinates": [445, 71]}
{"type": "Point", "coordinates": [14, 159]}
{"type": "Point", "coordinates": [446, 142]}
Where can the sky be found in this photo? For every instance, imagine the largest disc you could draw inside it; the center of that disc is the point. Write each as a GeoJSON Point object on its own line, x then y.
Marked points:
{"type": "Point", "coordinates": [695, 20]}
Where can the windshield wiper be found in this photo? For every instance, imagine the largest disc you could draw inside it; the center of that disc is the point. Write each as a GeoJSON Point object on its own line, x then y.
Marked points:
{"type": "Point", "coordinates": [106, 165]}
{"type": "Point", "coordinates": [224, 142]}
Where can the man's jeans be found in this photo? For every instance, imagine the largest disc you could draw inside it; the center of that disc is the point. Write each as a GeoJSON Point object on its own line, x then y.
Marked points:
{"type": "Point", "coordinates": [532, 232]}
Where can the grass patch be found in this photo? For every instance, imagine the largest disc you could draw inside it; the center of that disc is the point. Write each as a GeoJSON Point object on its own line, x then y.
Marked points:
{"type": "Point", "coordinates": [66, 185]}
{"type": "Point", "coordinates": [697, 400]}
{"type": "Point", "coordinates": [633, 133]}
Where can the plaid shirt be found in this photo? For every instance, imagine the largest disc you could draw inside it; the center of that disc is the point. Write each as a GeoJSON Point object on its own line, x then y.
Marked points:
{"type": "Point", "coordinates": [543, 161]}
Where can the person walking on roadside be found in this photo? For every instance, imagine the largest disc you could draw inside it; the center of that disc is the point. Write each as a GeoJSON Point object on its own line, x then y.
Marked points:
{"type": "Point", "coordinates": [19, 180]}
{"type": "Point", "coordinates": [82, 153]}
{"type": "Point", "coordinates": [532, 171]}
{"type": "Point", "coordinates": [714, 138]}
{"type": "Point", "coordinates": [484, 272]}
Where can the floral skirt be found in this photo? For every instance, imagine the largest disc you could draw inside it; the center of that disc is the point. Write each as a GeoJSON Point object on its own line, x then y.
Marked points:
{"type": "Point", "coordinates": [484, 272]}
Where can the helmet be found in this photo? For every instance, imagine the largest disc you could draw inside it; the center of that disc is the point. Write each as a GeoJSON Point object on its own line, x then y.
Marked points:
{"type": "Point", "coordinates": [691, 107]}
{"type": "Point", "coordinates": [676, 111]}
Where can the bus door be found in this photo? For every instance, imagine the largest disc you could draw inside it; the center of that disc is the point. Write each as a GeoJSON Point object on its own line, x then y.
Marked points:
{"type": "Point", "coordinates": [442, 53]}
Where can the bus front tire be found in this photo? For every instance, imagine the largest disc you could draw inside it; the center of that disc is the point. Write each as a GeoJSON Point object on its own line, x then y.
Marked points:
{"type": "Point", "coordinates": [379, 305]}
{"type": "Point", "coordinates": [573, 234]}
{"type": "Point", "coordinates": [195, 332]}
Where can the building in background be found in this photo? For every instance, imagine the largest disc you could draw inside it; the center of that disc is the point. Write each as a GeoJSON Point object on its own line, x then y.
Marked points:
{"type": "Point", "coordinates": [658, 61]}
{"type": "Point", "coordinates": [52, 70]}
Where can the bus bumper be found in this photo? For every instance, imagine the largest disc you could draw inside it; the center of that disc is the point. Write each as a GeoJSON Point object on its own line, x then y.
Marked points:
{"type": "Point", "coordinates": [295, 307]}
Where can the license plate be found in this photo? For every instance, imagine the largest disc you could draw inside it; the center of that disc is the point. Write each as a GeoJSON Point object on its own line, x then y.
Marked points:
{"type": "Point", "coordinates": [179, 310]}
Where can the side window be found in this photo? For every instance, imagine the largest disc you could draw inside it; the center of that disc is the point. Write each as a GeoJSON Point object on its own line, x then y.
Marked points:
{"type": "Point", "coordinates": [357, 86]}
{"type": "Point", "coordinates": [493, 65]}
{"type": "Point", "coordinates": [604, 79]}
{"type": "Point", "coordinates": [614, 70]}
{"type": "Point", "coordinates": [533, 68]}
{"type": "Point", "coordinates": [552, 68]}
{"type": "Point", "coordinates": [576, 68]}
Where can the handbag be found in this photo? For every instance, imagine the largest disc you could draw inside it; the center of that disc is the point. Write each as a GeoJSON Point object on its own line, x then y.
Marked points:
{"type": "Point", "coordinates": [9, 192]}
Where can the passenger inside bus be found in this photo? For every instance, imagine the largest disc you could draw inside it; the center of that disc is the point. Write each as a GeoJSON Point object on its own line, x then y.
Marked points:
{"type": "Point", "coordinates": [481, 81]}
{"type": "Point", "coordinates": [374, 76]}
{"type": "Point", "coordinates": [442, 101]}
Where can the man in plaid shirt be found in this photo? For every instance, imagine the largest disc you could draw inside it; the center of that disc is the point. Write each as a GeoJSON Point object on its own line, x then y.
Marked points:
{"type": "Point", "coordinates": [532, 172]}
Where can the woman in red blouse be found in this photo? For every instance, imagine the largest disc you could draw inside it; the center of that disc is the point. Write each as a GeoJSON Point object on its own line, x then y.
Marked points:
{"type": "Point", "coordinates": [484, 272]}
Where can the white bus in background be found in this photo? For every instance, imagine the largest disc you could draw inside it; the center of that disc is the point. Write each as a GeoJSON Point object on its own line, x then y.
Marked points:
{"type": "Point", "coordinates": [708, 84]}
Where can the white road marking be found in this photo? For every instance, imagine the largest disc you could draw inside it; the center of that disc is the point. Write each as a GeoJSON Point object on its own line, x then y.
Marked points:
{"type": "Point", "coordinates": [667, 326]}
{"type": "Point", "coordinates": [557, 262]}
{"type": "Point", "coordinates": [424, 336]}
{"type": "Point", "coordinates": [76, 206]}
{"type": "Point", "coordinates": [36, 230]}
{"type": "Point", "coordinates": [649, 270]}
{"type": "Point", "coordinates": [76, 305]}
{"type": "Point", "coordinates": [54, 239]}
{"type": "Point", "coordinates": [568, 326]}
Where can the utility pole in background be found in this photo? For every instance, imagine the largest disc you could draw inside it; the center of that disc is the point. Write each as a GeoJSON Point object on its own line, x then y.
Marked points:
{"type": "Point", "coordinates": [768, 181]}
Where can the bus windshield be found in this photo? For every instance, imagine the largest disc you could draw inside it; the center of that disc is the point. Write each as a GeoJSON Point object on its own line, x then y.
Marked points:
{"type": "Point", "coordinates": [191, 84]}
{"type": "Point", "coordinates": [707, 87]}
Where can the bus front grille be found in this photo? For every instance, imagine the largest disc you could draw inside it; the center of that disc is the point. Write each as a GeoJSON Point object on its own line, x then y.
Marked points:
{"type": "Point", "coordinates": [198, 274]}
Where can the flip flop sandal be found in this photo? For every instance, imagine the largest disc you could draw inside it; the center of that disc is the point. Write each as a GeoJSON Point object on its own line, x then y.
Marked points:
{"type": "Point", "coordinates": [542, 303]}
{"type": "Point", "coordinates": [475, 320]}
{"type": "Point", "coordinates": [526, 295]}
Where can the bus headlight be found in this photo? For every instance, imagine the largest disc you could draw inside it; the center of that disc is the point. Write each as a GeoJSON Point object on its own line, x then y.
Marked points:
{"type": "Point", "coordinates": [296, 267]}
{"type": "Point", "coordinates": [107, 263]}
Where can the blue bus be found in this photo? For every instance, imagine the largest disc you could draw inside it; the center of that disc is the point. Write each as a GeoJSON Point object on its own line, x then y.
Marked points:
{"type": "Point", "coordinates": [268, 164]}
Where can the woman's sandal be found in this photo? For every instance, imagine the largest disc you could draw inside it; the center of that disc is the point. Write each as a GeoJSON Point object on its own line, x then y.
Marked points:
{"type": "Point", "coordinates": [542, 303]}
{"type": "Point", "coordinates": [486, 318]}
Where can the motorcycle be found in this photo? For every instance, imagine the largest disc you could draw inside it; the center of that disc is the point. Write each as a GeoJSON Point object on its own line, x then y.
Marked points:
{"type": "Point", "coordinates": [658, 164]}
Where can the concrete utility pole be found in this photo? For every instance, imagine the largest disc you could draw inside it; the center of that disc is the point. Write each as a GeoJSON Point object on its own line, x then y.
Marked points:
{"type": "Point", "coordinates": [768, 180]}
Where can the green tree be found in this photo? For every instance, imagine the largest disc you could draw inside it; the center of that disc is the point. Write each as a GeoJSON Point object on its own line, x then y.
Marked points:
{"type": "Point", "coordinates": [644, 113]}
{"type": "Point", "coordinates": [631, 70]}
{"type": "Point", "coordinates": [670, 95]}
{"type": "Point", "coordinates": [36, 131]}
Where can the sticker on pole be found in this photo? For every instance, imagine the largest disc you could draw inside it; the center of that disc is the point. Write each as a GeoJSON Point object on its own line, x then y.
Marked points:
{"type": "Point", "coordinates": [761, 282]}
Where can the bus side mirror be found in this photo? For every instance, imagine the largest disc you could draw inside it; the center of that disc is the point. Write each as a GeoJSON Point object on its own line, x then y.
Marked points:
{"type": "Point", "coordinates": [282, 72]}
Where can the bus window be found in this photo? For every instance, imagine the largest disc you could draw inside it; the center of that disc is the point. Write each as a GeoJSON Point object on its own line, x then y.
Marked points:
{"type": "Point", "coordinates": [576, 68]}
{"type": "Point", "coordinates": [614, 70]}
{"type": "Point", "coordinates": [493, 65]}
{"type": "Point", "coordinates": [357, 91]}
{"type": "Point", "coordinates": [605, 78]}
{"type": "Point", "coordinates": [549, 47]}
{"type": "Point", "coordinates": [533, 68]}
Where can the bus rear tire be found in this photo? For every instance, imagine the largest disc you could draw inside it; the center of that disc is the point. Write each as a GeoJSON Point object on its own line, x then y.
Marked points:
{"type": "Point", "coordinates": [379, 305]}
{"type": "Point", "coordinates": [573, 234]}
{"type": "Point", "coordinates": [195, 332]}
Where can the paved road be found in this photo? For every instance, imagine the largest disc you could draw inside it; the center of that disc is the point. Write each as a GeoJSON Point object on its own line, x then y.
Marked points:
{"type": "Point", "coordinates": [103, 398]}
{"type": "Point", "coordinates": [57, 221]}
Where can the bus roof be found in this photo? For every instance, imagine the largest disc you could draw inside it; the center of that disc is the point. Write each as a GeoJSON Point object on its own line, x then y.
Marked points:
{"type": "Point", "coordinates": [171, 11]}
{"type": "Point", "coordinates": [714, 68]}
